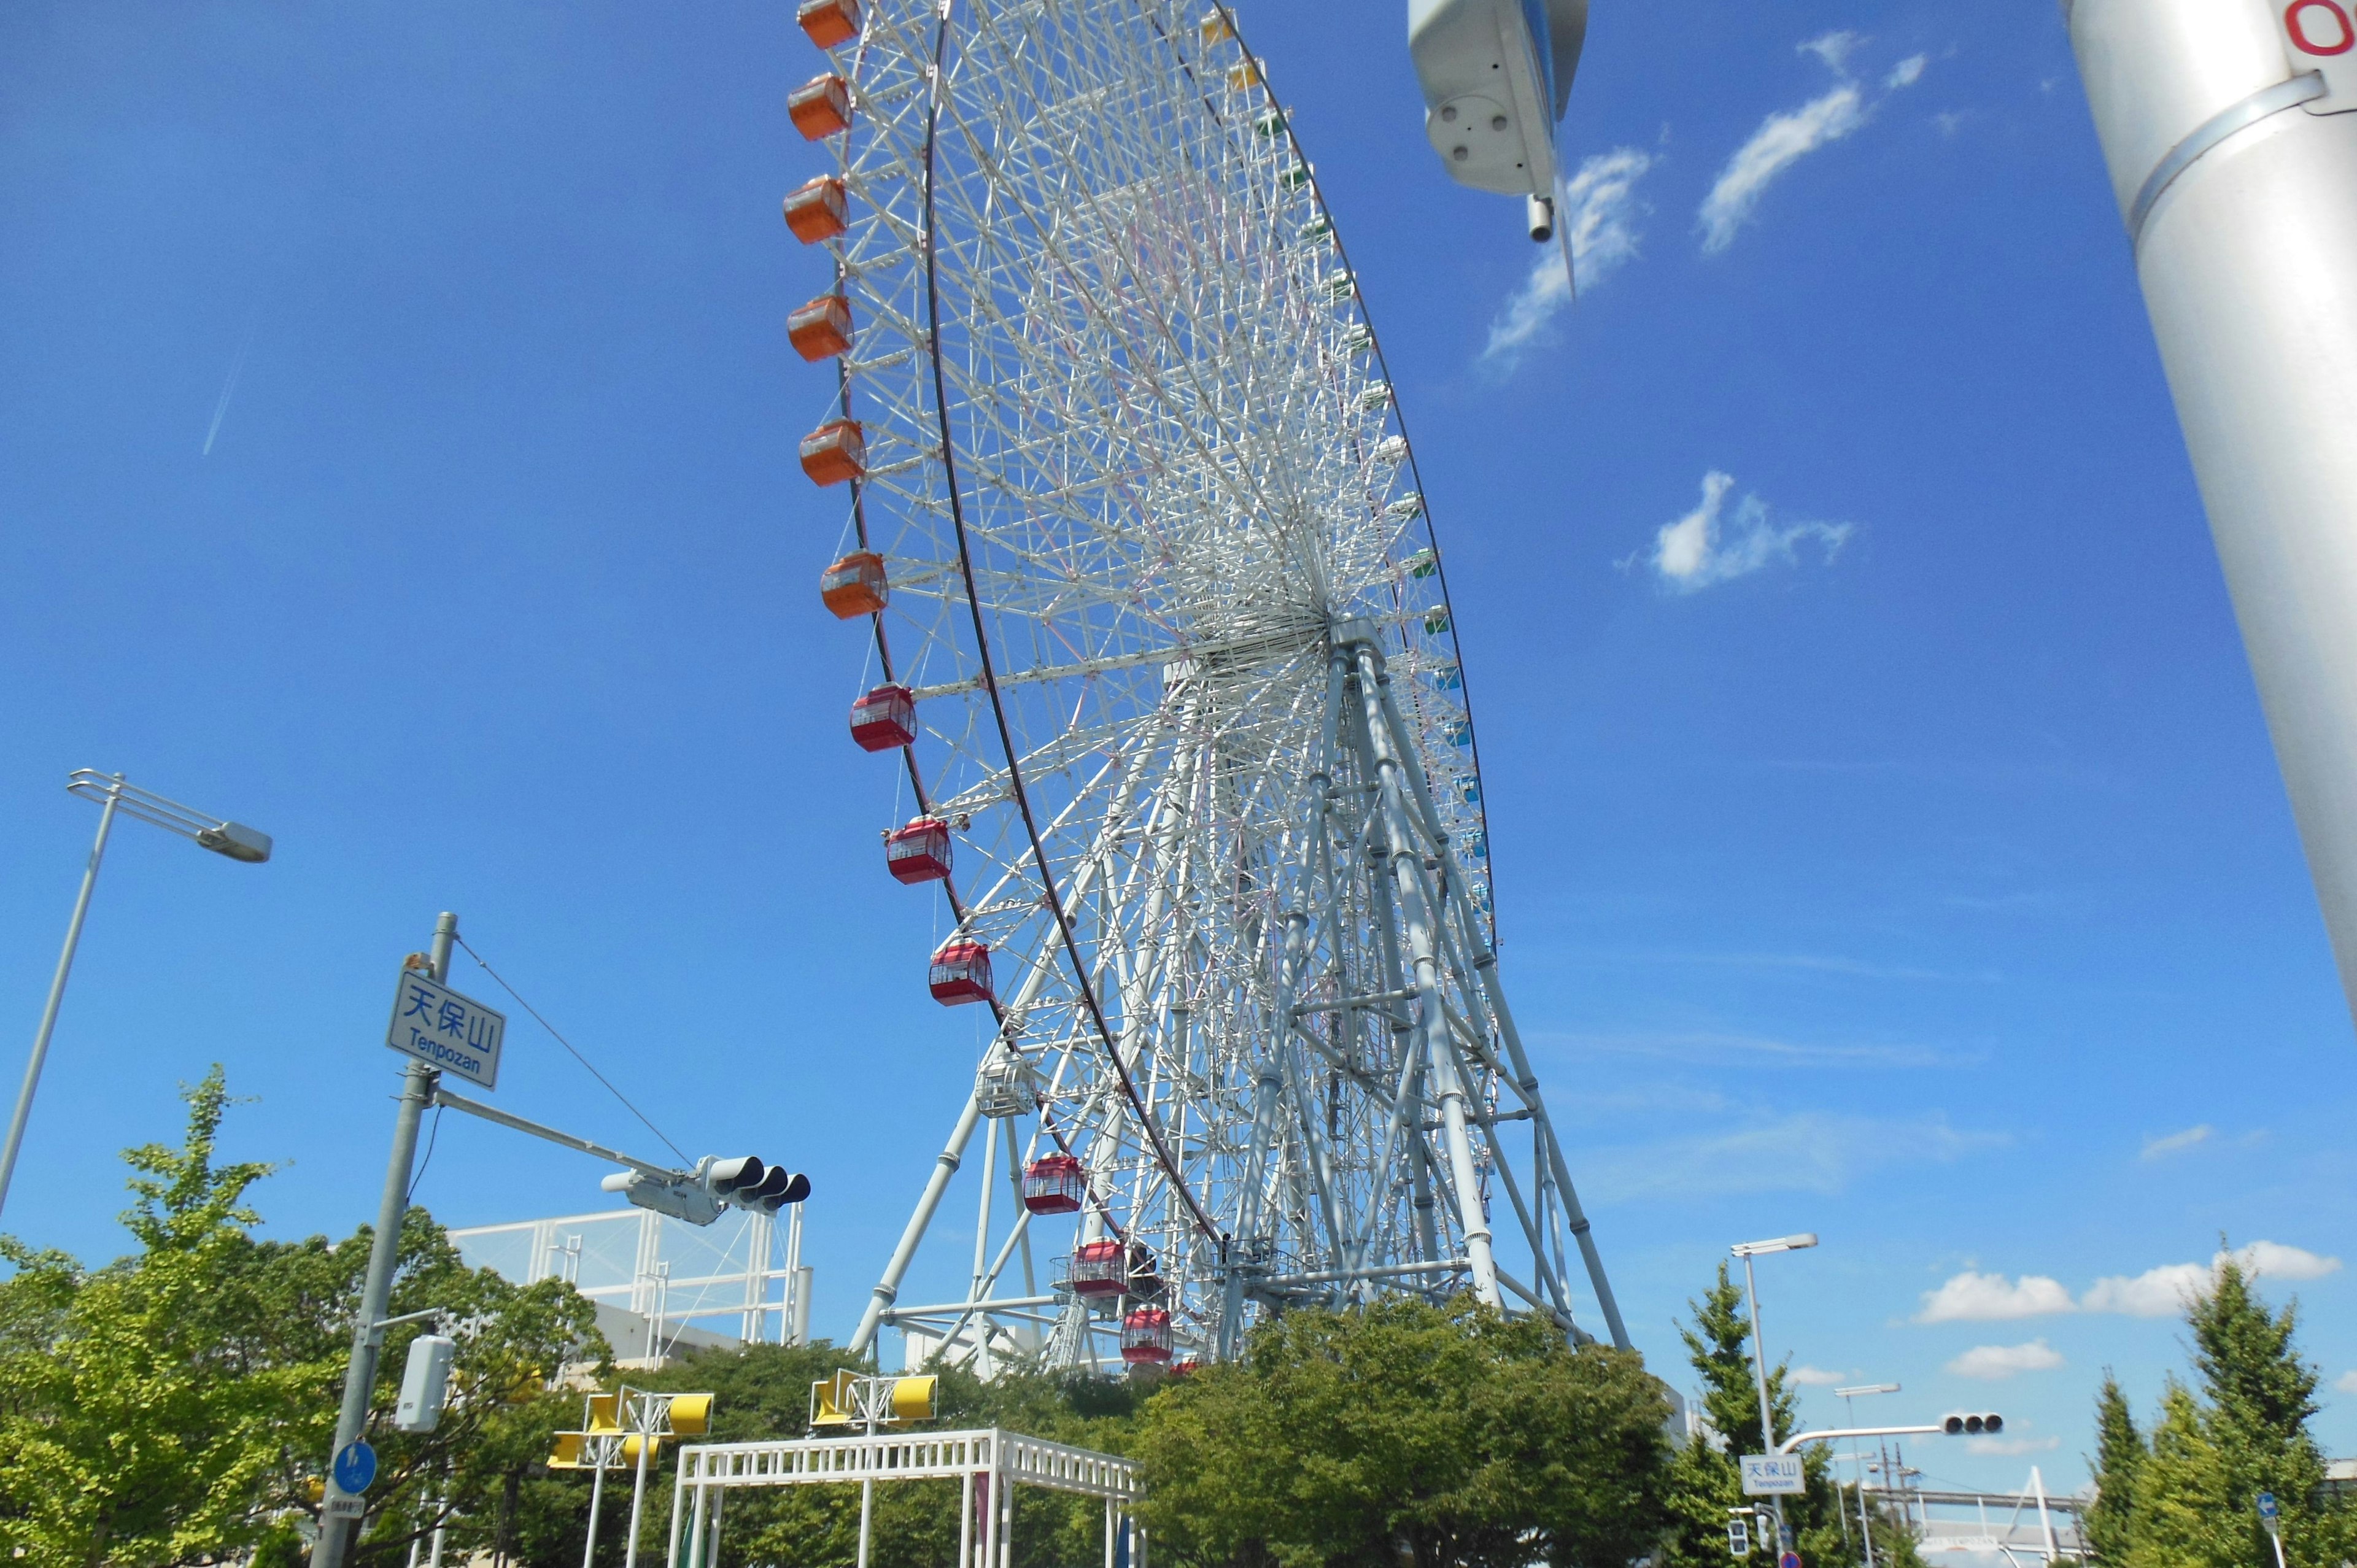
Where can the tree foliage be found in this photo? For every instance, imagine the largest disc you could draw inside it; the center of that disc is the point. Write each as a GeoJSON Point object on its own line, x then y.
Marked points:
{"type": "Point", "coordinates": [2189, 1498]}
{"type": "Point", "coordinates": [1401, 1433]}
{"type": "Point", "coordinates": [176, 1406]}
{"type": "Point", "coordinates": [1704, 1486]}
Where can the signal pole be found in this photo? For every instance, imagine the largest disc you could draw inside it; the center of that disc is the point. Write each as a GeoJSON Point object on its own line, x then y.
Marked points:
{"type": "Point", "coordinates": [417, 1085]}
{"type": "Point", "coordinates": [2230, 128]}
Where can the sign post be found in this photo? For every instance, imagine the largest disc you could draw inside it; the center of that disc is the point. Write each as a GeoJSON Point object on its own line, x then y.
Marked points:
{"type": "Point", "coordinates": [472, 1051]}
{"type": "Point", "coordinates": [2269, 1513]}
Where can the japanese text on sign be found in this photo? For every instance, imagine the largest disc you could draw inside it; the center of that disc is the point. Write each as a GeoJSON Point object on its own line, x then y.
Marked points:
{"type": "Point", "coordinates": [454, 1033]}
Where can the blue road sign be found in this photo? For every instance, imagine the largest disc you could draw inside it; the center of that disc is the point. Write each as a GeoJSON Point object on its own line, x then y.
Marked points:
{"type": "Point", "coordinates": [2268, 1504]}
{"type": "Point", "coordinates": [355, 1467]}
{"type": "Point", "coordinates": [1790, 1560]}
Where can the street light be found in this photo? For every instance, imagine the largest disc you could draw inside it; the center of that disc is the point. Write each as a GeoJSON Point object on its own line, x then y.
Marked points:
{"type": "Point", "coordinates": [1747, 1250]}
{"type": "Point", "coordinates": [234, 840]}
{"type": "Point", "coordinates": [1848, 1397]}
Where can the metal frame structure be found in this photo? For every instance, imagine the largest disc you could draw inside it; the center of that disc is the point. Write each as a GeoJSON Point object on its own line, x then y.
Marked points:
{"type": "Point", "coordinates": [1162, 588]}
{"type": "Point", "coordinates": [989, 1460]}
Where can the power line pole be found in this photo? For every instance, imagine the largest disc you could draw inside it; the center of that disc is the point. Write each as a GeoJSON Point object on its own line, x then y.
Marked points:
{"type": "Point", "coordinates": [417, 1085]}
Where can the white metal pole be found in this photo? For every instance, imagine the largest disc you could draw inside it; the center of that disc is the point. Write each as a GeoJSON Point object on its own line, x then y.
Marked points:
{"type": "Point", "coordinates": [24, 1110]}
{"type": "Point", "coordinates": [888, 1289]}
{"type": "Point", "coordinates": [1760, 1371]}
{"type": "Point", "coordinates": [966, 1517]}
{"type": "Point", "coordinates": [697, 1525]}
{"type": "Point", "coordinates": [2232, 155]}
{"type": "Point", "coordinates": [597, 1494]}
{"type": "Point", "coordinates": [719, 1508]}
{"type": "Point", "coordinates": [639, 1500]}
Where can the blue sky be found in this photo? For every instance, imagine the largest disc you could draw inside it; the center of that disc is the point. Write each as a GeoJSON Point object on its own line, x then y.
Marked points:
{"type": "Point", "coordinates": [1886, 840]}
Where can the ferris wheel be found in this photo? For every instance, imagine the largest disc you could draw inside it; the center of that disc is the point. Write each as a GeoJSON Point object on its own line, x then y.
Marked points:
{"type": "Point", "coordinates": [1162, 650]}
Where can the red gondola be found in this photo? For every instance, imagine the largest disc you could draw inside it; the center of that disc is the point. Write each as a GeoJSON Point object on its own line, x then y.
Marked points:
{"type": "Point", "coordinates": [819, 107]}
{"type": "Point", "coordinates": [885, 718]}
{"type": "Point", "coordinates": [961, 973]}
{"type": "Point", "coordinates": [818, 210]}
{"type": "Point", "coordinates": [1100, 1268]}
{"type": "Point", "coordinates": [853, 586]}
{"type": "Point", "coordinates": [919, 851]}
{"type": "Point", "coordinates": [829, 22]}
{"type": "Point", "coordinates": [834, 452]}
{"type": "Point", "coordinates": [1145, 1336]}
{"type": "Point", "coordinates": [821, 329]}
{"type": "Point", "coordinates": [1055, 1185]}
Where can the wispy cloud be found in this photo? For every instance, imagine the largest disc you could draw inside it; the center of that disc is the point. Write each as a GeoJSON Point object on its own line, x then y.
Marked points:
{"type": "Point", "coordinates": [1787, 136]}
{"type": "Point", "coordinates": [2165, 1291]}
{"type": "Point", "coordinates": [1815, 1377]}
{"type": "Point", "coordinates": [1994, 1363]}
{"type": "Point", "coordinates": [1600, 214]}
{"type": "Point", "coordinates": [229, 387]}
{"type": "Point", "coordinates": [1805, 1152]}
{"type": "Point", "coordinates": [1702, 1047]}
{"type": "Point", "coordinates": [1835, 49]}
{"type": "Point", "coordinates": [1705, 546]}
{"type": "Point", "coordinates": [1972, 1297]}
{"type": "Point", "coordinates": [2176, 1143]}
{"type": "Point", "coordinates": [2346, 1383]}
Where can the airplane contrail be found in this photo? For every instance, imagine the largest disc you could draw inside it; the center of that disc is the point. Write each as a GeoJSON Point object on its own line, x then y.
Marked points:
{"type": "Point", "coordinates": [229, 388]}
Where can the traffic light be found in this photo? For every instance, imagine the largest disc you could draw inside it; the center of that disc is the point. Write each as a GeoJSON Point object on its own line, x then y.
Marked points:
{"type": "Point", "coordinates": [747, 1183]}
{"type": "Point", "coordinates": [698, 1196]}
{"type": "Point", "coordinates": [1972, 1425]}
{"type": "Point", "coordinates": [1739, 1538]}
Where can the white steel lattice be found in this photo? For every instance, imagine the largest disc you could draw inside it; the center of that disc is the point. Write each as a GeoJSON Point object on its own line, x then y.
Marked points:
{"type": "Point", "coordinates": [1186, 689]}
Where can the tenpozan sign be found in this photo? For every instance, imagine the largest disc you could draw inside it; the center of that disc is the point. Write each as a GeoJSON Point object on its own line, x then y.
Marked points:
{"type": "Point", "coordinates": [444, 1029]}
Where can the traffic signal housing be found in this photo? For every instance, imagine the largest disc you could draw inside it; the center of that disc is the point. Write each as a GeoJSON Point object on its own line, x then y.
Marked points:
{"type": "Point", "coordinates": [747, 1182]}
{"type": "Point", "coordinates": [1974, 1425]}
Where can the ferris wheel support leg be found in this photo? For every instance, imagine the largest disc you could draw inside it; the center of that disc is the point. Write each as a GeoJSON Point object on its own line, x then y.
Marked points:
{"type": "Point", "coordinates": [888, 1289]}
{"type": "Point", "coordinates": [1485, 964]}
{"type": "Point", "coordinates": [1407, 870]}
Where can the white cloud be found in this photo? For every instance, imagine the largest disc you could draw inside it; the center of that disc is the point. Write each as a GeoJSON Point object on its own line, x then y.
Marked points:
{"type": "Point", "coordinates": [1789, 136]}
{"type": "Point", "coordinates": [1835, 49]}
{"type": "Point", "coordinates": [2177, 1143]}
{"type": "Point", "coordinates": [2275, 1261]}
{"type": "Point", "coordinates": [1992, 1298]}
{"type": "Point", "coordinates": [1994, 1362]}
{"type": "Point", "coordinates": [2346, 1383]}
{"type": "Point", "coordinates": [1782, 140]}
{"type": "Point", "coordinates": [2165, 1291]}
{"type": "Point", "coordinates": [2156, 1292]}
{"type": "Point", "coordinates": [1699, 549]}
{"type": "Point", "coordinates": [1600, 213]}
{"type": "Point", "coordinates": [2012, 1445]}
{"type": "Point", "coordinates": [1815, 1377]}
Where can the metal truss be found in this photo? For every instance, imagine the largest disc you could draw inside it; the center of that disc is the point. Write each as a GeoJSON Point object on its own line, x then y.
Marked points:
{"type": "Point", "coordinates": [1188, 692]}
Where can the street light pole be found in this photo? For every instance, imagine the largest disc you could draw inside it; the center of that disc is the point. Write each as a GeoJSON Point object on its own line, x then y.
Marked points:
{"type": "Point", "coordinates": [1850, 1405]}
{"type": "Point", "coordinates": [1747, 1250]}
{"type": "Point", "coordinates": [417, 1085]}
{"type": "Point", "coordinates": [218, 835]}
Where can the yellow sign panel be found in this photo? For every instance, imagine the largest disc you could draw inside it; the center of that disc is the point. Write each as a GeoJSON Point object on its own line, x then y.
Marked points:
{"type": "Point", "coordinates": [691, 1414]}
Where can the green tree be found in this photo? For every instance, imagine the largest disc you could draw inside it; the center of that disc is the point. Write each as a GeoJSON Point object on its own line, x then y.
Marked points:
{"type": "Point", "coordinates": [2182, 1514]}
{"type": "Point", "coordinates": [128, 1432]}
{"type": "Point", "coordinates": [2120, 1454]}
{"type": "Point", "coordinates": [1705, 1482]}
{"type": "Point", "coordinates": [177, 1405]}
{"type": "Point", "coordinates": [1401, 1433]}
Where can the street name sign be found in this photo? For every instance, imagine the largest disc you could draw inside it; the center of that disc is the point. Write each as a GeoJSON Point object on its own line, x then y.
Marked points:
{"type": "Point", "coordinates": [1772, 1475]}
{"type": "Point", "coordinates": [444, 1029]}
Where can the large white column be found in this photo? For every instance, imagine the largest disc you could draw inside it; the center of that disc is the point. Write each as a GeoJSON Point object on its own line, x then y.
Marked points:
{"type": "Point", "coordinates": [2233, 156]}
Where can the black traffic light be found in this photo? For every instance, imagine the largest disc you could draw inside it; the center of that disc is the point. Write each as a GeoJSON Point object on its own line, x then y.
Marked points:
{"type": "Point", "coordinates": [1989, 1425]}
{"type": "Point", "coordinates": [749, 1183]}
